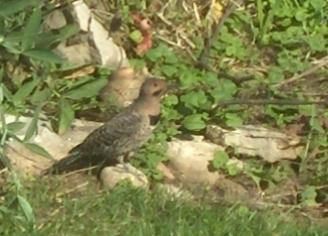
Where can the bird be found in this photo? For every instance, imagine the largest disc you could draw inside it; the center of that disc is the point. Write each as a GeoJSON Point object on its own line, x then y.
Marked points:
{"type": "Point", "coordinates": [120, 136]}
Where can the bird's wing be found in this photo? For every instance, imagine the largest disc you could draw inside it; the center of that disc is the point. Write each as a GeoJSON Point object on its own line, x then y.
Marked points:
{"type": "Point", "coordinates": [113, 134]}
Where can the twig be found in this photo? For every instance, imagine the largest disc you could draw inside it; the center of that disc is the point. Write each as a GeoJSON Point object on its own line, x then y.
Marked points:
{"type": "Point", "coordinates": [203, 58]}
{"type": "Point", "coordinates": [3, 170]}
{"type": "Point", "coordinates": [165, 21]}
{"type": "Point", "coordinates": [322, 62]}
{"type": "Point", "coordinates": [72, 189]}
{"type": "Point", "coordinates": [196, 13]}
{"type": "Point", "coordinates": [79, 171]}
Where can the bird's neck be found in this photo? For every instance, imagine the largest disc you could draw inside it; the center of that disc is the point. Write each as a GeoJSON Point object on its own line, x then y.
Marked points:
{"type": "Point", "coordinates": [149, 106]}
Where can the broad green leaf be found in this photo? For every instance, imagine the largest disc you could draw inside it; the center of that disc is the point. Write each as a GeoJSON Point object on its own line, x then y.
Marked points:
{"type": "Point", "coordinates": [169, 70]}
{"type": "Point", "coordinates": [194, 122]}
{"type": "Point", "coordinates": [66, 115]}
{"type": "Point", "coordinates": [33, 126]}
{"type": "Point", "coordinates": [220, 159]}
{"type": "Point", "coordinates": [224, 91]}
{"type": "Point", "coordinates": [194, 99]}
{"type": "Point", "coordinates": [170, 100]}
{"type": "Point", "coordinates": [301, 14]}
{"type": "Point", "coordinates": [40, 96]}
{"type": "Point", "coordinates": [233, 169]}
{"type": "Point", "coordinates": [43, 55]}
{"type": "Point", "coordinates": [317, 42]}
{"type": "Point", "coordinates": [318, 4]}
{"type": "Point", "coordinates": [233, 120]}
{"type": "Point", "coordinates": [316, 125]}
{"type": "Point", "coordinates": [31, 29]}
{"type": "Point", "coordinates": [275, 74]}
{"type": "Point", "coordinates": [27, 209]}
{"type": "Point", "coordinates": [13, 6]}
{"type": "Point", "coordinates": [38, 150]}
{"type": "Point", "coordinates": [309, 195]}
{"type": "Point", "coordinates": [87, 90]}
{"type": "Point", "coordinates": [24, 91]}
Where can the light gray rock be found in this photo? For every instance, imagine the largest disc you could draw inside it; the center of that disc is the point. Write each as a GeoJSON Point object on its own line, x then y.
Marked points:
{"type": "Point", "coordinates": [112, 175]}
{"type": "Point", "coordinates": [190, 160]}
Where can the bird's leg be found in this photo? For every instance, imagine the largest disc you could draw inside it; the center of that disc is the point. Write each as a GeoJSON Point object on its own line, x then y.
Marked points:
{"type": "Point", "coordinates": [123, 159]}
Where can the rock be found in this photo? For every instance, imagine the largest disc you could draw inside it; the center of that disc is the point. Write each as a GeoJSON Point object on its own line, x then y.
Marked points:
{"type": "Point", "coordinates": [175, 192]}
{"type": "Point", "coordinates": [111, 176]}
{"type": "Point", "coordinates": [189, 160]}
{"type": "Point", "coordinates": [123, 86]}
{"type": "Point", "coordinates": [232, 191]}
{"type": "Point", "coordinates": [167, 173]}
{"type": "Point", "coordinates": [252, 140]}
{"type": "Point", "coordinates": [92, 44]}
{"type": "Point", "coordinates": [28, 162]}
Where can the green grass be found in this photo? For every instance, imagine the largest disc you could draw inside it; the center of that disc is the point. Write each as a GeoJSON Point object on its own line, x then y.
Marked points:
{"type": "Point", "coordinates": [127, 211]}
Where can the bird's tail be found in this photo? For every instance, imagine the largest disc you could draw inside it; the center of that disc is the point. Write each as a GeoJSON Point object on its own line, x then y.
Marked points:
{"type": "Point", "coordinates": [69, 163]}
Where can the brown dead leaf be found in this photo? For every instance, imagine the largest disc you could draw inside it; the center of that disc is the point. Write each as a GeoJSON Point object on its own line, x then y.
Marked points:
{"type": "Point", "coordinates": [145, 26]}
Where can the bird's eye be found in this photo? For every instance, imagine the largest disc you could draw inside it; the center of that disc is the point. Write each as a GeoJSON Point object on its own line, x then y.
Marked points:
{"type": "Point", "coordinates": [155, 84]}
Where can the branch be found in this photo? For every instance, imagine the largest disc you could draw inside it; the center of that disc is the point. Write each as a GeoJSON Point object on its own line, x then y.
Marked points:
{"type": "Point", "coordinates": [322, 62]}
{"type": "Point", "coordinates": [269, 102]}
{"type": "Point", "coordinates": [203, 58]}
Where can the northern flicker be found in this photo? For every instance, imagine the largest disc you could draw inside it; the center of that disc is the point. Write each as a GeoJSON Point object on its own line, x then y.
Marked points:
{"type": "Point", "coordinates": [123, 134]}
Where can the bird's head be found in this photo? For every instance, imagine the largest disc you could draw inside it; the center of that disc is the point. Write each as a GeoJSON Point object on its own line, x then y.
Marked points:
{"type": "Point", "coordinates": [154, 88]}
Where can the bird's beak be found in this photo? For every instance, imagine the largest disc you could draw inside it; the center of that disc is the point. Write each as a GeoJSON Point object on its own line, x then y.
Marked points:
{"type": "Point", "coordinates": [172, 88]}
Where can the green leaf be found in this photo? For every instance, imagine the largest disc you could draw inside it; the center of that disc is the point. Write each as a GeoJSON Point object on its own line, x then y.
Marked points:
{"type": "Point", "coordinates": [301, 14]}
{"type": "Point", "coordinates": [136, 36]}
{"type": "Point", "coordinates": [46, 39]}
{"type": "Point", "coordinates": [33, 126]}
{"type": "Point", "coordinates": [27, 209]}
{"type": "Point", "coordinates": [1, 94]}
{"type": "Point", "coordinates": [317, 42]}
{"type": "Point", "coordinates": [169, 70]}
{"type": "Point", "coordinates": [25, 91]}
{"type": "Point", "coordinates": [38, 150]}
{"type": "Point", "coordinates": [15, 126]}
{"type": "Point", "coordinates": [11, 7]}
{"type": "Point", "coordinates": [170, 100]}
{"type": "Point", "coordinates": [233, 169]}
{"type": "Point", "coordinates": [40, 96]}
{"type": "Point", "coordinates": [31, 29]}
{"type": "Point", "coordinates": [66, 115]}
{"type": "Point", "coordinates": [194, 99]}
{"type": "Point", "coordinates": [87, 90]}
{"type": "Point", "coordinates": [233, 120]}
{"type": "Point", "coordinates": [275, 74]}
{"type": "Point", "coordinates": [316, 125]}
{"type": "Point", "coordinates": [318, 4]}
{"type": "Point", "coordinates": [43, 55]}
{"type": "Point", "coordinates": [194, 122]}
{"type": "Point", "coordinates": [6, 93]}
{"type": "Point", "coordinates": [224, 90]}
{"type": "Point", "coordinates": [309, 195]}
{"type": "Point", "coordinates": [220, 159]}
